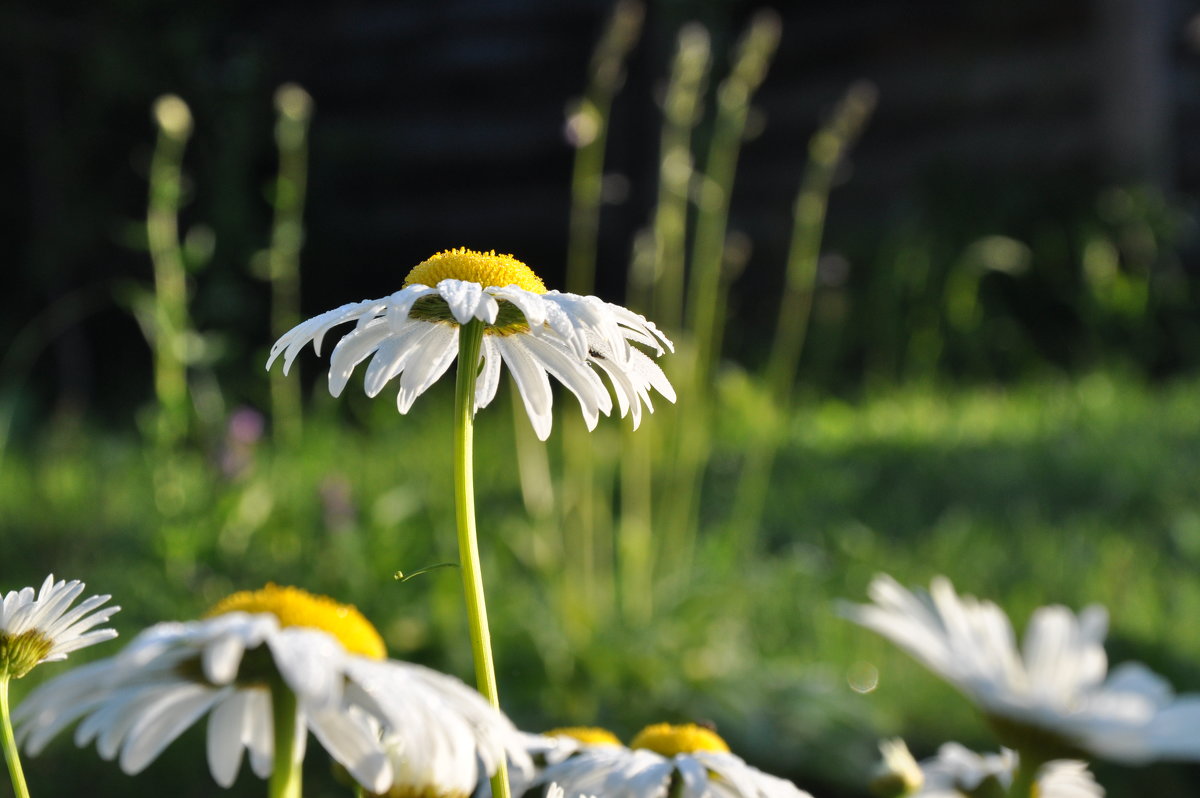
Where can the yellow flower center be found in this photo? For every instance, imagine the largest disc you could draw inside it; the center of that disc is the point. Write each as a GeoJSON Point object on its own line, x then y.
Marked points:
{"type": "Point", "coordinates": [485, 268]}
{"type": "Point", "coordinates": [19, 653]}
{"type": "Point", "coordinates": [687, 738]}
{"type": "Point", "coordinates": [296, 607]}
{"type": "Point", "coordinates": [588, 735]}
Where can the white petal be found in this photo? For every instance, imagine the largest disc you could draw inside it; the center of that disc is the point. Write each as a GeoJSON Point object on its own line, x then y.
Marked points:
{"type": "Point", "coordinates": [392, 356]}
{"type": "Point", "coordinates": [163, 722]}
{"type": "Point", "coordinates": [432, 355]}
{"type": "Point", "coordinates": [532, 383]}
{"type": "Point", "coordinates": [259, 736]}
{"type": "Point", "coordinates": [226, 732]}
{"type": "Point", "coordinates": [467, 300]}
{"type": "Point", "coordinates": [489, 376]}
{"type": "Point", "coordinates": [222, 658]}
{"type": "Point", "coordinates": [574, 374]}
{"type": "Point", "coordinates": [530, 304]}
{"type": "Point", "coordinates": [310, 662]}
{"type": "Point", "coordinates": [353, 349]}
{"type": "Point", "coordinates": [354, 747]}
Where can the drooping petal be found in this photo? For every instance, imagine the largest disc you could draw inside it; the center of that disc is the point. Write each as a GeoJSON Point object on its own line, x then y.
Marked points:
{"type": "Point", "coordinates": [532, 384]}
{"type": "Point", "coordinates": [489, 376]}
{"type": "Point", "coordinates": [432, 355]}
{"type": "Point", "coordinates": [226, 737]}
{"type": "Point", "coordinates": [354, 348]}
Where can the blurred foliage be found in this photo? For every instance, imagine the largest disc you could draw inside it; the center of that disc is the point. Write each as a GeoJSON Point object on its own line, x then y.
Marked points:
{"type": "Point", "coordinates": [1071, 492]}
{"type": "Point", "coordinates": [628, 581]}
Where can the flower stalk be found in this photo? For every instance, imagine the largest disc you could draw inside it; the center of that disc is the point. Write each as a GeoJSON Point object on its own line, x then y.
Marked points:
{"type": "Point", "coordinates": [286, 775]}
{"type": "Point", "coordinates": [11, 756]}
{"type": "Point", "coordinates": [470, 342]}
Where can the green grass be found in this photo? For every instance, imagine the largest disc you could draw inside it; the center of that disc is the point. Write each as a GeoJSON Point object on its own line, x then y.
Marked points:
{"type": "Point", "coordinates": [1059, 491]}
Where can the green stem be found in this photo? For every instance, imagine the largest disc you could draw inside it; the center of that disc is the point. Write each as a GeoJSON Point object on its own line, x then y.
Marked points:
{"type": "Point", "coordinates": [286, 775]}
{"type": "Point", "coordinates": [470, 341]}
{"type": "Point", "coordinates": [1024, 783]}
{"type": "Point", "coordinates": [10, 745]}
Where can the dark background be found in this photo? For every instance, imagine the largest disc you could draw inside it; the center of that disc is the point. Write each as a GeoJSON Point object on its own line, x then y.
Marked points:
{"type": "Point", "coordinates": [440, 124]}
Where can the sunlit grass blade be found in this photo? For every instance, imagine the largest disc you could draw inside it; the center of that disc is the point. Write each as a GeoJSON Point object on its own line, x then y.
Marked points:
{"type": "Point", "coordinates": [294, 106]}
{"type": "Point", "coordinates": [706, 301]}
{"type": "Point", "coordinates": [681, 110]}
{"type": "Point", "coordinates": [705, 306]}
{"type": "Point", "coordinates": [587, 131]}
{"type": "Point", "coordinates": [169, 330]}
{"type": "Point", "coordinates": [826, 151]}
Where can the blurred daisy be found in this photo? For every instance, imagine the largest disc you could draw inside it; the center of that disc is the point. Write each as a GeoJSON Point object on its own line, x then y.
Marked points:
{"type": "Point", "coordinates": [413, 335]}
{"type": "Point", "coordinates": [550, 748]}
{"type": "Point", "coordinates": [39, 627]}
{"type": "Point", "coordinates": [691, 759]}
{"type": "Point", "coordinates": [957, 772]}
{"type": "Point", "coordinates": [898, 774]}
{"type": "Point", "coordinates": [1052, 695]}
{"type": "Point", "coordinates": [255, 647]}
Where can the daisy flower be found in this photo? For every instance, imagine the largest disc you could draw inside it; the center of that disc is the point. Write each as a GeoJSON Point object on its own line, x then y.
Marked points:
{"type": "Point", "coordinates": [253, 653]}
{"type": "Point", "coordinates": [39, 627]}
{"type": "Point", "coordinates": [1054, 695]}
{"type": "Point", "coordinates": [897, 774]}
{"type": "Point", "coordinates": [413, 335]}
{"type": "Point", "coordinates": [689, 758]}
{"type": "Point", "coordinates": [957, 771]}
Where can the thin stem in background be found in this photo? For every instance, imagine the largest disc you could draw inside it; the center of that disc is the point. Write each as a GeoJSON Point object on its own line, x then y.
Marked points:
{"type": "Point", "coordinates": [681, 110]}
{"type": "Point", "coordinates": [585, 530]}
{"type": "Point", "coordinates": [827, 149]}
{"type": "Point", "coordinates": [708, 279]}
{"type": "Point", "coordinates": [470, 341]}
{"type": "Point", "coordinates": [587, 130]}
{"type": "Point", "coordinates": [706, 305]}
{"type": "Point", "coordinates": [170, 326]}
{"type": "Point", "coordinates": [294, 106]}
{"type": "Point", "coordinates": [11, 756]}
{"type": "Point", "coordinates": [287, 773]}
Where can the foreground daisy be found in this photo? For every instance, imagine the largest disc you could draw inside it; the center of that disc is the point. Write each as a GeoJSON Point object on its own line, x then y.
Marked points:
{"type": "Point", "coordinates": [692, 757]}
{"type": "Point", "coordinates": [39, 627]}
{"type": "Point", "coordinates": [484, 309]}
{"type": "Point", "coordinates": [1051, 699]}
{"type": "Point", "coordinates": [957, 771]}
{"type": "Point", "coordinates": [267, 667]}
{"type": "Point", "coordinates": [414, 335]}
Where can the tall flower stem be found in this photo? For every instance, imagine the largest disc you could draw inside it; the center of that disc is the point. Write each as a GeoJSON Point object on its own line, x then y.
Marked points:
{"type": "Point", "coordinates": [286, 775]}
{"type": "Point", "coordinates": [470, 340]}
{"type": "Point", "coordinates": [10, 744]}
{"type": "Point", "coordinates": [1024, 783]}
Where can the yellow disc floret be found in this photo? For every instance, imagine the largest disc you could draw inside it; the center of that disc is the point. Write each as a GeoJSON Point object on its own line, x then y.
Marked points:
{"type": "Point", "coordinates": [19, 653]}
{"type": "Point", "coordinates": [687, 738]}
{"type": "Point", "coordinates": [588, 735]}
{"type": "Point", "coordinates": [485, 268]}
{"type": "Point", "coordinates": [296, 607]}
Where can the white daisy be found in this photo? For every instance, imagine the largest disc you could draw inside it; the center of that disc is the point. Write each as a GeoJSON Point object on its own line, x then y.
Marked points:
{"type": "Point", "coordinates": [327, 654]}
{"type": "Point", "coordinates": [39, 627]}
{"type": "Point", "coordinates": [690, 759]}
{"type": "Point", "coordinates": [957, 771]}
{"type": "Point", "coordinates": [1052, 693]}
{"type": "Point", "coordinates": [897, 773]}
{"type": "Point", "coordinates": [413, 335]}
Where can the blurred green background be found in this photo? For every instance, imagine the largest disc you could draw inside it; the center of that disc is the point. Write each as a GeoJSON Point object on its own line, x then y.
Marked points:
{"type": "Point", "coordinates": [931, 270]}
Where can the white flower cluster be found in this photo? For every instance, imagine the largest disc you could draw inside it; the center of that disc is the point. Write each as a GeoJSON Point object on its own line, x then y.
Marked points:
{"type": "Point", "coordinates": [1053, 700]}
